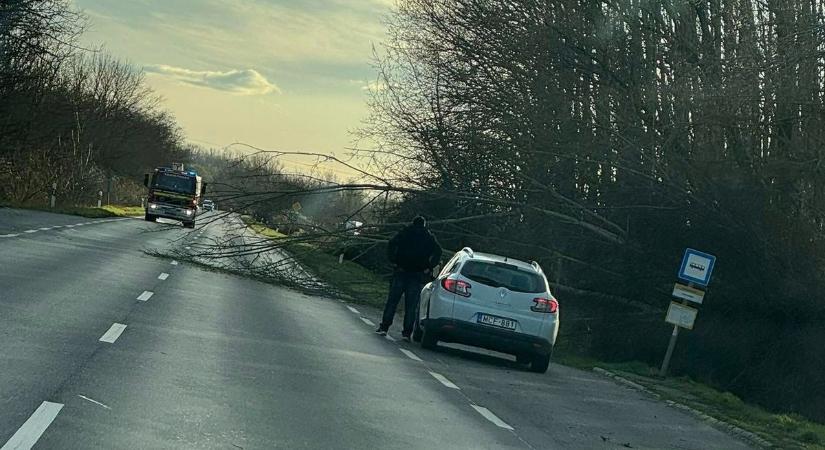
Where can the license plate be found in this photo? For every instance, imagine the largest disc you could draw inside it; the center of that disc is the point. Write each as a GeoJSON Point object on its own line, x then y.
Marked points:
{"type": "Point", "coordinates": [500, 322]}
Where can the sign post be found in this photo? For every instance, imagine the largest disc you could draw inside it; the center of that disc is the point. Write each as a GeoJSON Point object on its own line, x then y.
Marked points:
{"type": "Point", "coordinates": [696, 269]}
{"type": "Point", "coordinates": [53, 197]}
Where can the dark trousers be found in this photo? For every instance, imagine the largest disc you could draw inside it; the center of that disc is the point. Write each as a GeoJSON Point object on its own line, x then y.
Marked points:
{"type": "Point", "coordinates": [408, 284]}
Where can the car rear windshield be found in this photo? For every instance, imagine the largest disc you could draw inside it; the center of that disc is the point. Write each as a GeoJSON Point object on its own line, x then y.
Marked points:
{"type": "Point", "coordinates": [498, 274]}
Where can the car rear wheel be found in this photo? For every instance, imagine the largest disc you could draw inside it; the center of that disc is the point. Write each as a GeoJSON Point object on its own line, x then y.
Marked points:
{"type": "Point", "coordinates": [429, 340]}
{"type": "Point", "coordinates": [189, 224]}
{"type": "Point", "coordinates": [540, 363]}
{"type": "Point", "coordinates": [524, 358]}
{"type": "Point", "coordinates": [417, 331]}
{"type": "Point", "coordinates": [150, 218]}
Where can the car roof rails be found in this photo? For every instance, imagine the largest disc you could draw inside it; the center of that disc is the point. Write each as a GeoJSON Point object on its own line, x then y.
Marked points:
{"type": "Point", "coordinates": [468, 251]}
{"type": "Point", "coordinates": [536, 266]}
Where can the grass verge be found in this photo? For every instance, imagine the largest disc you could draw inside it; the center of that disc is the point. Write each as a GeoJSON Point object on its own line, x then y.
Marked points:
{"type": "Point", "coordinates": [86, 211]}
{"type": "Point", "coordinates": [786, 431]}
{"type": "Point", "coordinates": [353, 280]}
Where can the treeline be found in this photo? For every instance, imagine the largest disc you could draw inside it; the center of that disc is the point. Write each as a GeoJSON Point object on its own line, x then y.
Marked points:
{"type": "Point", "coordinates": [78, 119]}
{"type": "Point", "coordinates": [603, 138]}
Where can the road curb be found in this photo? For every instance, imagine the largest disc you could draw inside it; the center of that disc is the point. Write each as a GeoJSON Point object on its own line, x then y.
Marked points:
{"type": "Point", "coordinates": [733, 430]}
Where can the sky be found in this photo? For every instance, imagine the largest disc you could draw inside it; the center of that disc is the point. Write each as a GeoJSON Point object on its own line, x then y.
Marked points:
{"type": "Point", "coordinates": [287, 75]}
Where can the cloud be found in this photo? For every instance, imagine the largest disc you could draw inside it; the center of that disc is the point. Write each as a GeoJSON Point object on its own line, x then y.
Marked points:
{"type": "Point", "coordinates": [242, 82]}
{"type": "Point", "coordinates": [374, 86]}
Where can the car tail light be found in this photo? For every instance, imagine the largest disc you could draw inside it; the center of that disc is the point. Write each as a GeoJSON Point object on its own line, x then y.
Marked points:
{"type": "Point", "coordinates": [545, 305]}
{"type": "Point", "coordinates": [457, 287]}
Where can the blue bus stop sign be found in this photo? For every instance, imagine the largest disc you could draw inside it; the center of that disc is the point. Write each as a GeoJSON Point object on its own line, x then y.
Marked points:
{"type": "Point", "coordinates": [696, 267]}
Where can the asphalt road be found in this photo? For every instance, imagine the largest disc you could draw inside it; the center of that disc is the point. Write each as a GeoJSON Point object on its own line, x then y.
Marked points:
{"type": "Point", "coordinates": [105, 346]}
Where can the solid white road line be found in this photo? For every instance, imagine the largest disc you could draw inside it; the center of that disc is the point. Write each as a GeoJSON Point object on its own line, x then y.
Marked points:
{"type": "Point", "coordinates": [174, 263]}
{"type": "Point", "coordinates": [30, 231]}
{"type": "Point", "coordinates": [410, 355]}
{"type": "Point", "coordinates": [8, 235]}
{"type": "Point", "coordinates": [163, 276]}
{"type": "Point", "coordinates": [146, 295]}
{"type": "Point", "coordinates": [367, 321]}
{"type": "Point", "coordinates": [114, 332]}
{"type": "Point", "coordinates": [443, 380]}
{"type": "Point", "coordinates": [354, 311]}
{"type": "Point", "coordinates": [93, 401]}
{"type": "Point", "coordinates": [491, 417]}
{"type": "Point", "coordinates": [30, 432]}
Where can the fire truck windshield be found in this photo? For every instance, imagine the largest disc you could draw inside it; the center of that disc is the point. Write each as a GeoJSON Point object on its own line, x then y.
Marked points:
{"type": "Point", "coordinates": [174, 182]}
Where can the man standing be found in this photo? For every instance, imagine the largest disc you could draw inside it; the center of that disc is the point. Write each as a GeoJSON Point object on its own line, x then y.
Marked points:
{"type": "Point", "coordinates": [414, 252]}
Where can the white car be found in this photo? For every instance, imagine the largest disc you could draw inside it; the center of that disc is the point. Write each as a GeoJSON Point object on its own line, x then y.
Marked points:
{"type": "Point", "coordinates": [493, 302]}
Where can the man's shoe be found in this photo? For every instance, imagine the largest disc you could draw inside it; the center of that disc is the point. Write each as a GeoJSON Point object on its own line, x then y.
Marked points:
{"type": "Point", "coordinates": [381, 331]}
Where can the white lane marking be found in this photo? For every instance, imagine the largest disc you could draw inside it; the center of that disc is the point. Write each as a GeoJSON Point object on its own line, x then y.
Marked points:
{"type": "Point", "coordinates": [146, 295]}
{"type": "Point", "coordinates": [491, 417]}
{"type": "Point", "coordinates": [8, 235]}
{"type": "Point", "coordinates": [114, 332]}
{"type": "Point", "coordinates": [188, 248]}
{"type": "Point", "coordinates": [410, 355]}
{"type": "Point", "coordinates": [354, 311]}
{"type": "Point", "coordinates": [69, 226]}
{"type": "Point", "coordinates": [389, 338]}
{"type": "Point", "coordinates": [45, 229]}
{"type": "Point", "coordinates": [57, 226]}
{"type": "Point", "coordinates": [30, 231]}
{"type": "Point", "coordinates": [30, 432]}
{"type": "Point", "coordinates": [163, 276]}
{"type": "Point", "coordinates": [174, 263]}
{"type": "Point", "coordinates": [93, 401]}
{"type": "Point", "coordinates": [367, 321]}
{"type": "Point", "coordinates": [443, 380]}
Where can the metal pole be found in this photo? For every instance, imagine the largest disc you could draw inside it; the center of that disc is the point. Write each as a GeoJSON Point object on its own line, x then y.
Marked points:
{"type": "Point", "coordinates": [669, 354]}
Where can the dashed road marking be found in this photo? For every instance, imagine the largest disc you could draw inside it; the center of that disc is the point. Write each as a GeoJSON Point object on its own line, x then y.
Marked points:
{"type": "Point", "coordinates": [93, 401]}
{"type": "Point", "coordinates": [30, 231]}
{"type": "Point", "coordinates": [163, 276]}
{"type": "Point", "coordinates": [113, 333]}
{"type": "Point", "coordinates": [188, 248]}
{"type": "Point", "coordinates": [410, 355]}
{"type": "Point", "coordinates": [69, 226]}
{"type": "Point", "coordinates": [443, 380]}
{"type": "Point", "coordinates": [146, 295]}
{"type": "Point", "coordinates": [9, 235]}
{"type": "Point", "coordinates": [491, 417]}
{"type": "Point", "coordinates": [367, 321]}
{"type": "Point", "coordinates": [45, 228]}
{"type": "Point", "coordinates": [28, 434]}
{"type": "Point", "coordinates": [174, 263]}
{"type": "Point", "coordinates": [57, 226]}
{"type": "Point", "coordinates": [354, 311]}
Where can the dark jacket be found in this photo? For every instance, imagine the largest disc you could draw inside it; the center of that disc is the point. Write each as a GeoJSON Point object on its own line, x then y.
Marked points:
{"type": "Point", "coordinates": [414, 249]}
